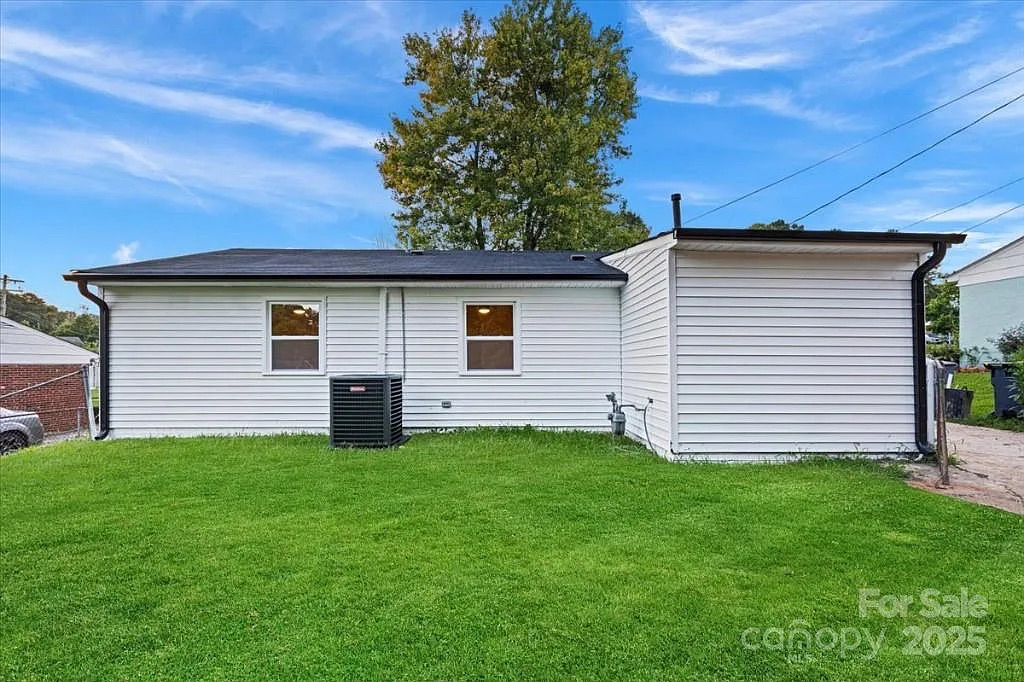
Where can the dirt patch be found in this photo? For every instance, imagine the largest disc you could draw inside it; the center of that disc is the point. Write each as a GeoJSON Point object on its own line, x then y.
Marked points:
{"type": "Point", "coordinates": [989, 469]}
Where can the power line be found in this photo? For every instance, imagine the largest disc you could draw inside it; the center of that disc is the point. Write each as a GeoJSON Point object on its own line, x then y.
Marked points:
{"type": "Point", "coordinates": [961, 205]}
{"type": "Point", "coordinates": [911, 157]}
{"type": "Point", "coordinates": [995, 217]}
{"type": "Point", "coordinates": [856, 146]}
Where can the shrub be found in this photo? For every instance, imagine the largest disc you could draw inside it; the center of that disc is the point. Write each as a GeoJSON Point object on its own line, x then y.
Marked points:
{"type": "Point", "coordinates": [1017, 377]}
{"type": "Point", "coordinates": [943, 351]}
{"type": "Point", "coordinates": [1010, 341]}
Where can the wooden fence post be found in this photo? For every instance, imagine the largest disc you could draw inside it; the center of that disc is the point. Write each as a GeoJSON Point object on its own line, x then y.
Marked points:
{"type": "Point", "coordinates": [941, 446]}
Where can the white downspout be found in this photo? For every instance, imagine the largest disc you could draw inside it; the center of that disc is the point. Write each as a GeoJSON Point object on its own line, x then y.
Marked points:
{"type": "Point", "coordinates": [382, 336]}
{"type": "Point", "coordinates": [673, 357]}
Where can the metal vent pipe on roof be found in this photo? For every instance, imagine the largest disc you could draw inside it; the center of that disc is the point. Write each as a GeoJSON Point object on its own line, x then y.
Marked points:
{"type": "Point", "coordinates": [677, 215]}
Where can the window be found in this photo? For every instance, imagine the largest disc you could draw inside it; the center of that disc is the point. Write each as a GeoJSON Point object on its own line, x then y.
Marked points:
{"type": "Point", "coordinates": [490, 337]}
{"type": "Point", "coordinates": [294, 337]}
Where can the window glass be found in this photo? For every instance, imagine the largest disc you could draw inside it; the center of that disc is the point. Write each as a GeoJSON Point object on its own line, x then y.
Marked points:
{"type": "Point", "coordinates": [489, 320]}
{"type": "Point", "coordinates": [294, 336]}
{"type": "Point", "coordinates": [294, 319]}
{"type": "Point", "coordinates": [490, 355]}
{"type": "Point", "coordinates": [490, 337]}
{"type": "Point", "coordinates": [295, 354]}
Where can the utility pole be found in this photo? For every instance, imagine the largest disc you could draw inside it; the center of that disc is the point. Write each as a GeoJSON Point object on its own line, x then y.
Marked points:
{"type": "Point", "coordinates": [5, 280]}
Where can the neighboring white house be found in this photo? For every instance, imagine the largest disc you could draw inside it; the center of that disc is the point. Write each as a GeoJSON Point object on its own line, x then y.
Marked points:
{"type": "Point", "coordinates": [741, 344]}
{"type": "Point", "coordinates": [991, 297]}
{"type": "Point", "coordinates": [42, 373]}
{"type": "Point", "coordinates": [21, 345]}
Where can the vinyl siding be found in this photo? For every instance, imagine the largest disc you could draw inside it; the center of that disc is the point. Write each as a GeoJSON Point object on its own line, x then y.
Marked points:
{"type": "Point", "coordinates": [986, 310]}
{"type": "Point", "coordinates": [569, 358]}
{"type": "Point", "coordinates": [188, 361]}
{"type": "Point", "coordinates": [1006, 263]}
{"type": "Point", "coordinates": [646, 366]}
{"type": "Point", "coordinates": [785, 354]}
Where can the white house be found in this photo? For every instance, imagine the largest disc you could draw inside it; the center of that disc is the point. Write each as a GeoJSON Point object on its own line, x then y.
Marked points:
{"type": "Point", "coordinates": [991, 297]}
{"type": "Point", "coordinates": [741, 344]}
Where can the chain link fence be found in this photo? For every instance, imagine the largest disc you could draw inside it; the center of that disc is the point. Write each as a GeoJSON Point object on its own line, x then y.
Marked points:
{"type": "Point", "coordinates": [59, 394]}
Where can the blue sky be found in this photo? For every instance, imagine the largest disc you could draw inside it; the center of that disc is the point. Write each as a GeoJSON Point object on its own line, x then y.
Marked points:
{"type": "Point", "coordinates": [137, 131]}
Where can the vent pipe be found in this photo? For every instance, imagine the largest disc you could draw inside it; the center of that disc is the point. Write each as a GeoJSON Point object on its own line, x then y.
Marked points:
{"type": "Point", "coordinates": [677, 215]}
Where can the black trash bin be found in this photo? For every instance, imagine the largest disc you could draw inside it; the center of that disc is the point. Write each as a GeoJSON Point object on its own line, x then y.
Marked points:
{"type": "Point", "coordinates": [958, 403]}
{"type": "Point", "coordinates": [1003, 387]}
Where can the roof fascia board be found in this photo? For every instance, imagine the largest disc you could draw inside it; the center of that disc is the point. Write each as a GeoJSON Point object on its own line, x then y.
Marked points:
{"type": "Point", "coordinates": [697, 233]}
{"type": "Point", "coordinates": [361, 283]}
{"type": "Point", "coordinates": [661, 241]}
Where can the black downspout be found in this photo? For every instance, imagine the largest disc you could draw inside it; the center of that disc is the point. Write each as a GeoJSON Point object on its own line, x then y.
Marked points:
{"type": "Point", "coordinates": [83, 288]}
{"type": "Point", "coordinates": [920, 369]}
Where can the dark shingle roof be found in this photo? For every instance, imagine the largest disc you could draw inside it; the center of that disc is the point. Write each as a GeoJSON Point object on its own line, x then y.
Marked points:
{"type": "Point", "coordinates": [360, 264]}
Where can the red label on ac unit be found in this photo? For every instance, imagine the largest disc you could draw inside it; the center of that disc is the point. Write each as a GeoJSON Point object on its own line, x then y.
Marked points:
{"type": "Point", "coordinates": [357, 389]}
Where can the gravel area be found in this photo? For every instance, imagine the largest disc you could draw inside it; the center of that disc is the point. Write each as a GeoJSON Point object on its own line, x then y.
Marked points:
{"type": "Point", "coordinates": [989, 468]}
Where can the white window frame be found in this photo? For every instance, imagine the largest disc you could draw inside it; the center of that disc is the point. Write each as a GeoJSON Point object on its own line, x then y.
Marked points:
{"type": "Point", "coordinates": [464, 339]}
{"type": "Point", "coordinates": [268, 349]}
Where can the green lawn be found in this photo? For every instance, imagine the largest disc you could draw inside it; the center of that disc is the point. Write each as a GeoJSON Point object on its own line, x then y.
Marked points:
{"type": "Point", "coordinates": [984, 402]}
{"type": "Point", "coordinates": [486, 554]}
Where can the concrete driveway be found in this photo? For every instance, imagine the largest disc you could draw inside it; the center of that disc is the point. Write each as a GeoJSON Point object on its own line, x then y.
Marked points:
{"type": "Point", "coordinates": [989, 468]}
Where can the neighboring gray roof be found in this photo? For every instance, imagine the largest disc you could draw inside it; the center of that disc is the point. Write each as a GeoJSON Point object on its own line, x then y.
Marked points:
{"type": "Point", "coordinates": [1002, 249]}
{"type": "Point", "coordinates": [360, 264]}
{"type": "Point", "coordinates": [22, 345]}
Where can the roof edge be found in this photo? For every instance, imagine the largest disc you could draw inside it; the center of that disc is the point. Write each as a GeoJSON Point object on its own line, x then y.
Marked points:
{"type": "Point", "coordinates": [90, 276]}
{"type": "Point", "coordinates": [957, 273]}
{"type": "Point", "coordinates": [746, 234]}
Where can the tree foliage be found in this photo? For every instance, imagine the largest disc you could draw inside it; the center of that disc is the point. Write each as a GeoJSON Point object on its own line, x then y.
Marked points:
{"type": "Point", "coordinates": [779, 224]}
{"type": "Point", "coordinates": [512, 144]}
{"type": "Point", "coordinates": [32, 311]}
{"type": "Point", "coordinates": [942, 305]}
{"type": "Point", "coordinates": [85, 326]}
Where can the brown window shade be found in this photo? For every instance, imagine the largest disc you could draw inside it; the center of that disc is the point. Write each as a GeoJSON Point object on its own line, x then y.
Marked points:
{"type": "Point", "coordinates": [295, 354]}
{"type": "Point", "coordinates": [490, 320]}
{"type": "Point", "coordinates": [490, 355]}
{"type": "Point", "coordinates": [294, 319]}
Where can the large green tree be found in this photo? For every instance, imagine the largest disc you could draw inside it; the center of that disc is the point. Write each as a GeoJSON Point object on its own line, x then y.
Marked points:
{"type": "Point", "coordinates": [512, 144]}
{"type": "Point", "coordinates": [32, 311]}
{"type": "Point", "coordinates": [942, 305]}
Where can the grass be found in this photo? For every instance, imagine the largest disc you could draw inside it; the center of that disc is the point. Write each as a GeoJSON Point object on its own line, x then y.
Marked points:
{"type": "Point", "coordinates": [984, 402]}
{"type": "Point", "coordinates": [485, 554]}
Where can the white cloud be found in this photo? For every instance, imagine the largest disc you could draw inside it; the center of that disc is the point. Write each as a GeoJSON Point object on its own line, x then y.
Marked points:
{"type": "Point", "coordinates": [713, 38]}
{"type": "Point", "coordinates": [776, 102]}
{"type": "Point", "coordinates": [27, 46]}
{"type": "Point", "coordinates": [193, 171]}
{"type": "Point", "coordinates": [910, 209]}
{"type": "Point", "coordinates": [782, 103]}
{"type": "Point", "coordinates": [983, 71]}
{"type": "Point", "coordinates": [664, 94]}
{"type": "Point", "coordinates": [962, 33]}
{"type": "Point", "coordinates": [125, 253]}
{"type": "Point", "coordinates": [694, 193]}
{"type": "Point", "coordinates": [91, 68]}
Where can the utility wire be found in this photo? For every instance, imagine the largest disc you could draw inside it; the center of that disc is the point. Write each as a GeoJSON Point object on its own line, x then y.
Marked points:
{"type": "Point", "coordinates": [910, 158]}
{"type": "Point", "coordinates": [995, 217]}
{"type": "Point", "coordinates": [961, 205]}
{"type": "Point", "coordinates": [856, 146]}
